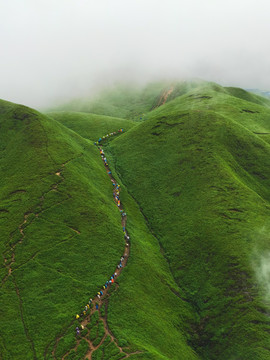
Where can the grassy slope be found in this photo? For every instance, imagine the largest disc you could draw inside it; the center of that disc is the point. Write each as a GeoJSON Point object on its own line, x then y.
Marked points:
{"type": "Point", "coordinates": [206, 176]}
{"type": "Point", "coordinates": [148, 308]}
{"type": "Point", "coordinates": [55, 268]}
{"type": "Point", "coordinates": [90, 126]}
{"type": "Point", "coordinates": [245, 95]}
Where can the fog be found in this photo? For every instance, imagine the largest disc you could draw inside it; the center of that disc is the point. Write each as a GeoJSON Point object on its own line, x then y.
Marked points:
{"type": "Point", "coordinates": [54, 50]}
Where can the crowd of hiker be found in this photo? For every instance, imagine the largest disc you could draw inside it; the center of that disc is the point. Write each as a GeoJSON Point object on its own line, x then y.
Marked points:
{"type": "Point", "coordinates": [116, 195]}
{"type": "Point", "coordinates": [107, 135]}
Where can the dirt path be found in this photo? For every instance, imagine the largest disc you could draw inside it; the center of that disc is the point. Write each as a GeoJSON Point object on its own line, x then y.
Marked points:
{"type": "Point", "coordinates": [23, 225]}
{"type": "Point", "coordinates": [163, 98]}
{"type": "Point", "coordinates": [28, 219]}
{"type": "Point", "coordinates": [103, 300]}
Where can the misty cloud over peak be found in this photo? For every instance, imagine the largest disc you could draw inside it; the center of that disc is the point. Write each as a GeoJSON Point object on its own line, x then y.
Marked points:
{"type": "Point", "coordinates": [60, 49]}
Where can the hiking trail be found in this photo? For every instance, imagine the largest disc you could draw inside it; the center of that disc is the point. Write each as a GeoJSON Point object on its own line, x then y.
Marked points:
{"type": "Point", "coordinates": [94, 317]}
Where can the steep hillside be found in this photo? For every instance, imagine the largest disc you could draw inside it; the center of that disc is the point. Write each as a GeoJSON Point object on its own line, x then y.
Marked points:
{"type": "Point", "coordinates": [61, 239]}
{"type": "Point", "coordinates": [55, 210]}
{"type": "Point", "coordinates": [203, 161]}
{"type": "Point", "coordinates": [194, 176]}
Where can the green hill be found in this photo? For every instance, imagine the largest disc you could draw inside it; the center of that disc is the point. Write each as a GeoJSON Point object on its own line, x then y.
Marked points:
{"type": "Point", "coordinates": [56, 222]}
{"type": "Point", "coordinates": [61, 240]}
{"type": "Point", "coordinates": [203, 160]}
{"type": "Point", "coordinates": [195, 178]}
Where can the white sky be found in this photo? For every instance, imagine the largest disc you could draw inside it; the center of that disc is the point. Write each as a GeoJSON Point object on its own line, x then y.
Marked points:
{"type": "Point", "coordinates": [57, 49]}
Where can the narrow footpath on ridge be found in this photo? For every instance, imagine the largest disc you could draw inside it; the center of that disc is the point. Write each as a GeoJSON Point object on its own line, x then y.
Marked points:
{"type": "Point", "coordinates": [92, 321]}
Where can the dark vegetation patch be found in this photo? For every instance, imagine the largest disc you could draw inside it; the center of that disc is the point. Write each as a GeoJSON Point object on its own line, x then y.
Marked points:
{"type": "Point", "coordinates": [176, 194]}
{"type": "Point", "coordinates": [172, 124]}
{"type": "Point", "coordinates": [23, 113]}
{"type": "Point", "coordinates": [259, 175]}
{"type": "Point", "coordinates": [250, 111]}
{"type": "Point", "coordinates": [19, 191]}
{"type": "Point", "coordinates": [226, 216]}
{"type": "Point", "coordinates": [197, 96]}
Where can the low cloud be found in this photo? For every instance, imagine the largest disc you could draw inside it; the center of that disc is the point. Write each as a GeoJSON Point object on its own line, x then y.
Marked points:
{"type": "Point", "coordinates": [62, 49]}
{"type": "Point", "coordinates": [261, 263]}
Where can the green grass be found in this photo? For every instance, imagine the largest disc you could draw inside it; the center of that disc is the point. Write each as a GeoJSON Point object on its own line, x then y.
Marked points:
{"type": "Point", "coordinates": [204, 180]}
{"type": "Point", "coordinates": [56, 269]}
{"type": "Point", "coordinates": [195, 180]}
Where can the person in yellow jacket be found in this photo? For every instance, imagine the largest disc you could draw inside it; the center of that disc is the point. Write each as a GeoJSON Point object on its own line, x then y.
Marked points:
{"type": "Point", "coordinates": [77, 316]}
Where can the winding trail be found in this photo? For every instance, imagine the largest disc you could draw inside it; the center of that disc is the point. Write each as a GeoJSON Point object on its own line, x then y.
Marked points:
{"type": "Point", "coordinates": [101, 302]}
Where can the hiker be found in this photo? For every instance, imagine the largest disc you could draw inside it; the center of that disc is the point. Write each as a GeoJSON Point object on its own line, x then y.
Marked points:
{"type": "Point", "coordinates": [77, 316]}
{"type": "Point", "coordinates": [78, 332]}
{"type": "Point", "coordinates": [99, 140]}
{"type": "Point", "coordinates": [82, 327]}
{"type": "Point", "coordinates": [98, 296]}
{"type": "Point", "coordinates": [96, 306]}
{"type": "Point", "coordinates": [101, 293]}
{"type": "Point", "coordinates": [123, 214]}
